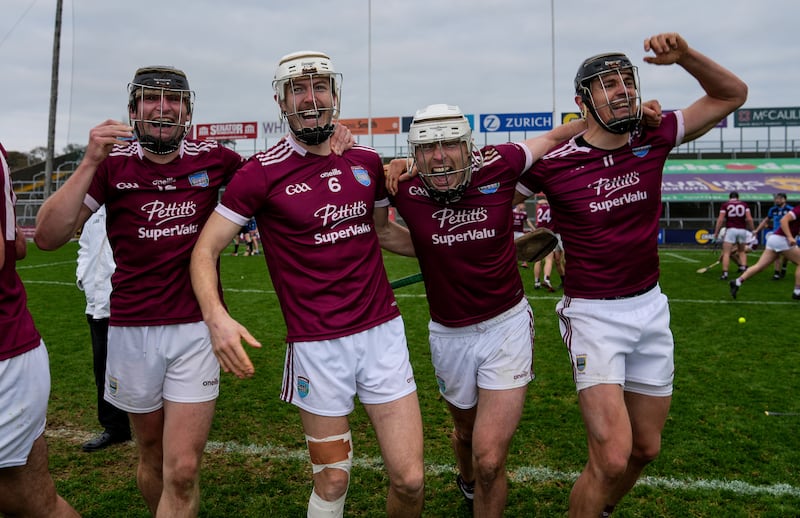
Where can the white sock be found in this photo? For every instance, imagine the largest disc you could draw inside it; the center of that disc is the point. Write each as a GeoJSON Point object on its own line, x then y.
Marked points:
{"type": "Point", "coordinates": [319, 508]}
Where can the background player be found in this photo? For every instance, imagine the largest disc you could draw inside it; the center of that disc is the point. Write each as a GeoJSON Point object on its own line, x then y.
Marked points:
{"type": "Point", "coordinates": [544, 219]}
{"type": "Point", "coordinates": [782, 242]}
{"type": "Point", "coordinates": [735, 216]}
{"type": "Point", "coordinates": [772, 223]}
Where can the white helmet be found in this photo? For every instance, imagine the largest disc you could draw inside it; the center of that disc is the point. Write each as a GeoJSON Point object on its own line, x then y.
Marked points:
{"type": "Point", "coordinates": [307, 64]}
{"type": "Point", "coordinates": [438, 125]}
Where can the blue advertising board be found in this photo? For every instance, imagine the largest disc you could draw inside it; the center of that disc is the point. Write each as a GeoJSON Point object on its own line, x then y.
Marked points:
{"type": "Point", "coordinates": [496, 122]}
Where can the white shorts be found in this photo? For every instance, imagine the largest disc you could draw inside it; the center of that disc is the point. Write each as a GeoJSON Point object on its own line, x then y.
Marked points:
{"type": "Point", "coordinates": [149, 364]}
{"type": "Point", "coordinates": [623, 342]}
{"type": "Point", "coordinates": [735, 235]}
{"type": "Point", "coordinates": [777, 243]}
{"type": "Point", "coordinates": [560, 244]}
{"type": "Point", "coordinates": [496, 354]}
{"type": "Point", "coordinates": [24, 391]}
{"type": "Point", "coordinates": [324, 376]}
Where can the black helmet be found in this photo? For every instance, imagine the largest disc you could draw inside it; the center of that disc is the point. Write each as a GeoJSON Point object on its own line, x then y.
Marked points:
{"type": "Point", "coordinates": [161, 80]}
{"type": "Point", "coordinates": [598, 66]}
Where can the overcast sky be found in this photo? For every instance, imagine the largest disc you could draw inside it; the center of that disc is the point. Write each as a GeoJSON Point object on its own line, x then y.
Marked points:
{"type": "Point", "coordinates": [484, 55]}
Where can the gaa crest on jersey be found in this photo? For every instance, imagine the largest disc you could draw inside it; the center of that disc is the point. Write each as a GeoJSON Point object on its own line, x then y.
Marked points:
{"type": "Point", "coordinates": [361, 175]}
{"type": "Point", "coordinates": [199, 179]}
{"type": "Point", "coordinates": [580, 362]}
{"type": "Point", "coordinates": [641, 151]}
{"type": "Point", "coordinates": [303, 386]}
{"type": "Point", "coordinates": [489, 189]}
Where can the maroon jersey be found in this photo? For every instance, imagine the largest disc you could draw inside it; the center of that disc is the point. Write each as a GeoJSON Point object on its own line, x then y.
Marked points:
{"type": "Point", "coordinates": [519, 217]}
{"type": "Point", "coordinates": [544, 218]}
{"type": "Point", "coordinates": [466, 249]}
{"type": "Point", "coordinates": [735, 212]}
{"type": "Point", "coordinates": [794, 225]}
{"type": "Point", "coordinates": [154, 216]}
{"type": "Point", "coordinates": [315, 217]}
{"type": "Point", "coordinates": [607, 205]}
{"type": "Point", "coordinates": [17, 332]}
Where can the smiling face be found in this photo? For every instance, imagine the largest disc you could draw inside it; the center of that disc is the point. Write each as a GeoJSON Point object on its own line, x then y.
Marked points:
{"type": "Point", "coordinates": [440, 146]}
{"type": "Point", "coordinates": [161, 114]}
{"type": "Point", "coordinates": [614, 96]}
{"type": "Point", "coordinates": [309, 101]}
{"type": "Point", "coordinates": [160, 106]}
{"type": "Point", "coordinates": [442, 164]}
{"type": "Point", "coordinates": [607, 87]}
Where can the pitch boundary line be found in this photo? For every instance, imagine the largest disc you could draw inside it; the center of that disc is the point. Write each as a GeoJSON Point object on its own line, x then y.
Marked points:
{"type": "Point", "coordinates": [530, 297]}
{"type": "Point", "coordinates": [517, 474]}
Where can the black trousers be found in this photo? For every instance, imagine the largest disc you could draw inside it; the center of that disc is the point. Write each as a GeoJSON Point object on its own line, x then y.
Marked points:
{"type": "Point", "coordinates": [112, 419]}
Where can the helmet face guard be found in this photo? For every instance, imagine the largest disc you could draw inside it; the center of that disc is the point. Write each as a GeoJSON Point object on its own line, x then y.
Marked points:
{"type": "Point", "coordinates": [307, 88]}
{"type": "Point", "coordinates": [440, 145]}
{"type": "Point", "coordinates": [618, 89]}
{"type": "Point", "coordinates": [160, 106]}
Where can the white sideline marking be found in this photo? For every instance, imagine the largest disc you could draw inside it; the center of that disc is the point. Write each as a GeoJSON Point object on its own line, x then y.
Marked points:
{"type": "Point", "coordinates": [681, 258]}
{"type": "Point", "coordinates": [51, 283]}
{"type": "Point", "coordinates": [45, 265]}
{"type": "Point", "coordinates": [530, 297]}
{"type": "Point", "coordinates": [519, 474]}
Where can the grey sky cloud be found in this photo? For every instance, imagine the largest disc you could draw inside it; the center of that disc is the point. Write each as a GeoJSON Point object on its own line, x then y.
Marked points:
{"type": "Point", "coordinates": [484, 56]}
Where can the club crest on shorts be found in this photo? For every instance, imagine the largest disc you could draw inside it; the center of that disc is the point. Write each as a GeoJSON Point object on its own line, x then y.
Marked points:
{"type": "Point", "coordinates": [580, 362]}
{"type": "Point", "coordinates": [361, 175]}
{"type": "Point", "coordinates": [113, 386]}
{"type": "Point", "coordinates": [303, 386]}
{"type": "Point", "coordinates": [440, 382]}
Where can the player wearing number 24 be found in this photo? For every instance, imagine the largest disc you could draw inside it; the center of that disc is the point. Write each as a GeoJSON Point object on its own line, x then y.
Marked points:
{"type": "Point", "coordinates": [604, 186]}
{"type": "Point", "coordinates": [325, 218]}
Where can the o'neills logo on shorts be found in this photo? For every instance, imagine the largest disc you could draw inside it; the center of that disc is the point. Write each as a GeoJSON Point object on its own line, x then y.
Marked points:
{"type": "Point", "coordinates": [211, 383]}
{"type": "Point", "coordinates": [303, 386]}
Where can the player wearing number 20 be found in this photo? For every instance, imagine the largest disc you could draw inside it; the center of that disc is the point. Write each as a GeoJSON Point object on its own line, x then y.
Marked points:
{"type": "Point", "coordinates": [325, 217]}
{"type": "Point", "coordinates": [604, 186]}
{"type": "Point", "coordinates": [459, 212]}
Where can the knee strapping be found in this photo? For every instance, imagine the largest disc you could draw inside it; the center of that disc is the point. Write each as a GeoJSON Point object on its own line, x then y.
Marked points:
{"type": "Point", "coordinates": [335, 451]}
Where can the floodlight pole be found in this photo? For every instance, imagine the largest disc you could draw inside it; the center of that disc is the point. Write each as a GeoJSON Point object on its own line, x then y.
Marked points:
{"type": "Point", "coordinates": [553, 55]}
{"type": "Point", "coordinates": [369, 72]}
{"type": "Point", "coordinates": [51, 127]}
